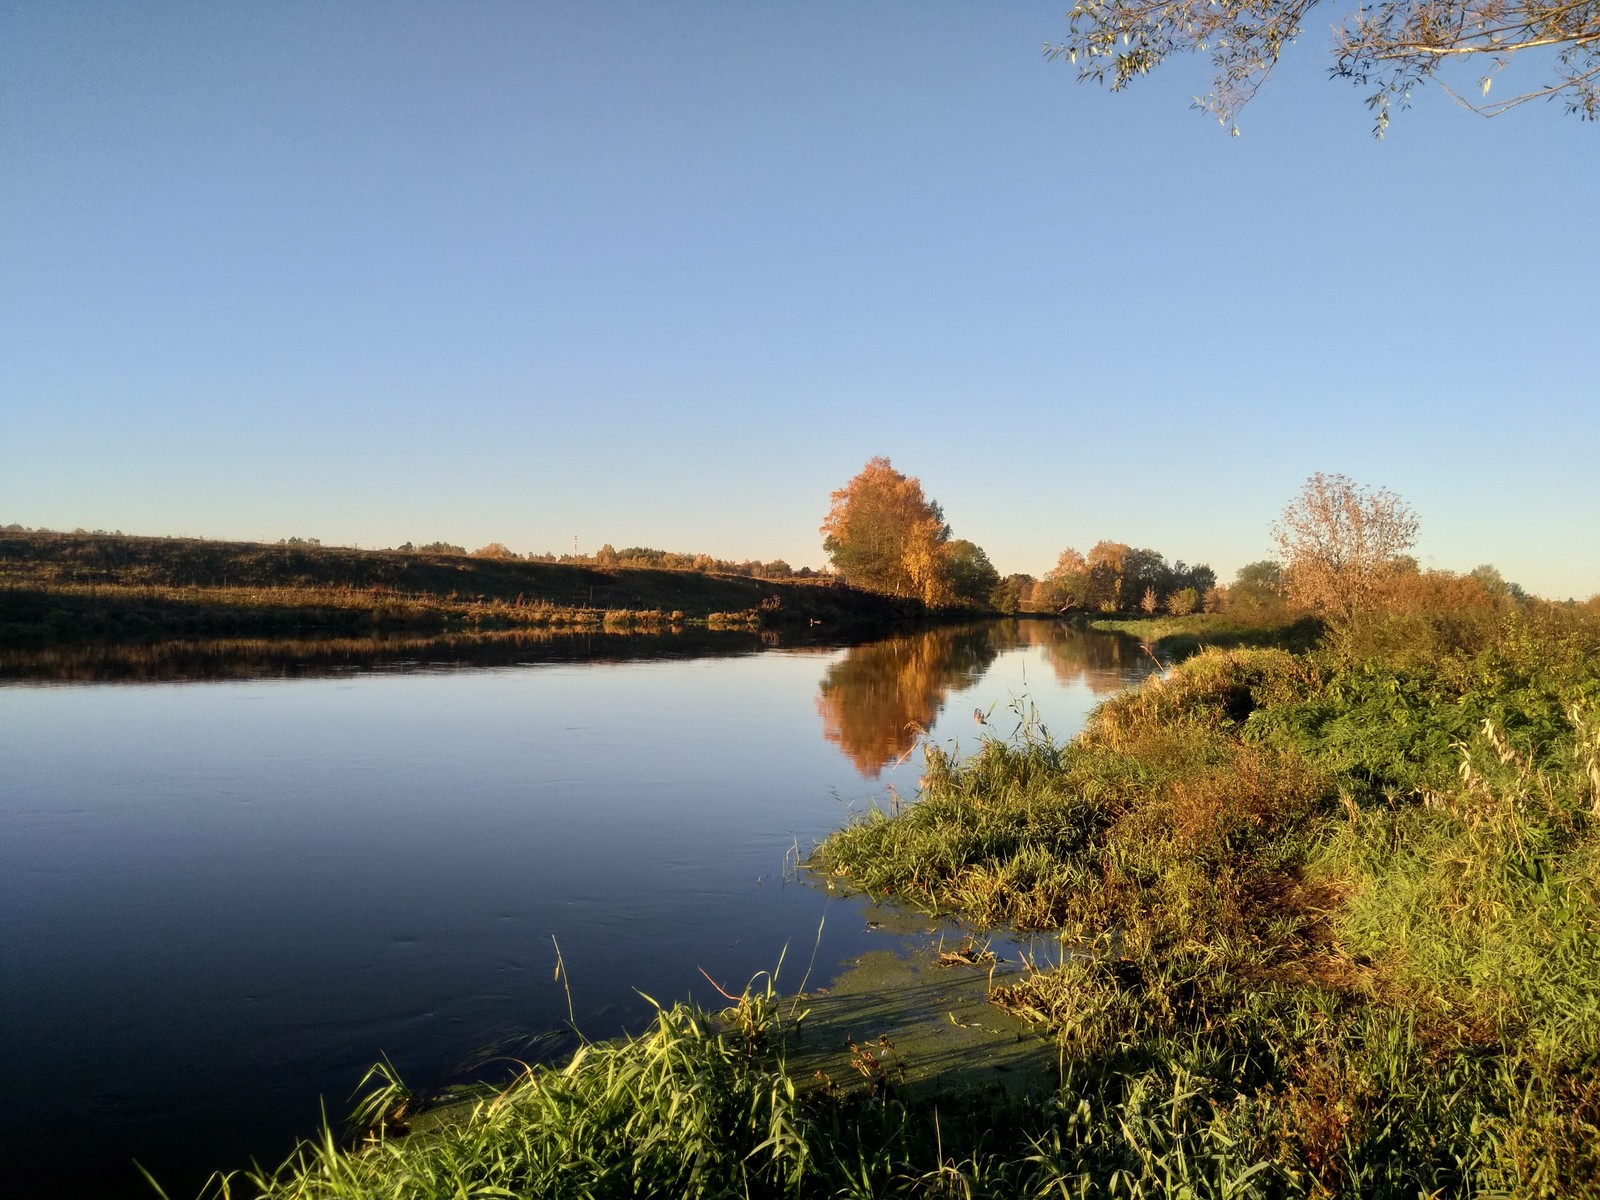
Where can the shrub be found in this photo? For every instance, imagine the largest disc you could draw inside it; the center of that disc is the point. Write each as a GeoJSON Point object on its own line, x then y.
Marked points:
{"type": "Point", "coordinates": [1183, 602]}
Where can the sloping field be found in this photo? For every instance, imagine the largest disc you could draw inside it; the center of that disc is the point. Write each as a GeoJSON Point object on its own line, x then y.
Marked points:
{"type": "Point", "coordinates": [56, 586]}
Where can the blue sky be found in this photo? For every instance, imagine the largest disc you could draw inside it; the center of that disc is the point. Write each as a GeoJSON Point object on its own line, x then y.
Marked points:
{"type": "Point", "coordinates": [668, 274]}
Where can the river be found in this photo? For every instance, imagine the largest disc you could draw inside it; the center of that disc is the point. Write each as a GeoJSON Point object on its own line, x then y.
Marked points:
{"type": "Point", "coordinates": [234, 875]}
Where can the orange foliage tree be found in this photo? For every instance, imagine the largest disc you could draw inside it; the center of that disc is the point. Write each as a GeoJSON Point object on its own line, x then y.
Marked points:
{"type": "Point", "coordinates": [495, 550]}
{"type": "Point", "coordinates": [883, 534]}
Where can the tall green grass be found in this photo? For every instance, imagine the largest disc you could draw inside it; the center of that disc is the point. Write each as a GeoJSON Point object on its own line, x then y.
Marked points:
{"type": "Point", "coordinates": [704, 1106]}
{"type": "Point", "coordinates": [1357, 887]}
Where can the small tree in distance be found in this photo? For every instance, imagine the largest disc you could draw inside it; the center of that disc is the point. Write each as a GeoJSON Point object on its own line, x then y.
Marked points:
{"type": "Point", "coordinates": [1341, 543]}
{"type": "Point", "coordinates": [1010, 594]}
{"type": "Point", "coordinates": [495, 550]}
{"type": "Point", "coordinates": [1257, 589]}
{"type": "Point", "coordinates": [1068, 581]}
{"type": "Point", "coordinates": [1183, 602]}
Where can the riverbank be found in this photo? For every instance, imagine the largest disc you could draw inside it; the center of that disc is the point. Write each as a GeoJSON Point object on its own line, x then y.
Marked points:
{"type": "Point", "coordinates": [1342, 905]}
{"type": "Point", "coordinates": [1179, 637]}
{"type": "Point", "coordinates": [58, 588]}
{"type": "Point", "coordinates": [1340, 919]}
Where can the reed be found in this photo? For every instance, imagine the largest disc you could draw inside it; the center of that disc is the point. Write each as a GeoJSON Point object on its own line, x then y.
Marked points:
{"type": "Point", "coordinates": [703, 1105]}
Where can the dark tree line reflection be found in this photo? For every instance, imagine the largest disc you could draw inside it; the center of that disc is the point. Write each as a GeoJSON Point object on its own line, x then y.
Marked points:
{"type": "Point", "coordinates": [881, 697]}
{"type": "Point", "coordinates": [197, 659]}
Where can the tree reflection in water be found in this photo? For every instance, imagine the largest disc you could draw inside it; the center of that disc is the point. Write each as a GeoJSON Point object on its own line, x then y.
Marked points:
{"type": "Point", "coordinates": [1097, 662]}
{"type": "Point", "coordinates": [880, 698]}
{"type": "Point", "coordinates": [876, 701]}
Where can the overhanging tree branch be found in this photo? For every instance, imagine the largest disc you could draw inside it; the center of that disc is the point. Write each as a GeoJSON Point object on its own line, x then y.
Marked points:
{"type": "Point", "coordinates": [1392, 47]}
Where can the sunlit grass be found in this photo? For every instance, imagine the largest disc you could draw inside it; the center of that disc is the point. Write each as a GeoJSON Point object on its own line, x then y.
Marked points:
{"type": "Point", "coordinates": [704, 1106]}
{"type": "Point", "coordinates": [1359, 894]}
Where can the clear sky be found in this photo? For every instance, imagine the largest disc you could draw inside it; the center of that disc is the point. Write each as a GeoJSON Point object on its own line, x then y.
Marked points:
{"type": "Point", "coordinates": [667, 274]}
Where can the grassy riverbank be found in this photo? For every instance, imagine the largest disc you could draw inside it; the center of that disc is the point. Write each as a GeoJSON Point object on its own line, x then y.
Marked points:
{"type": "Point", "coordinates": [705, 1106]}
{"type": "Point", "coordinates": [1339, 921]}
{"type": "Point", "coordinates": [57, 587]}
{"type": "Point", "coordinates": [1179, 637]}
{"type": "Point", "coordinates": [1349, 900]}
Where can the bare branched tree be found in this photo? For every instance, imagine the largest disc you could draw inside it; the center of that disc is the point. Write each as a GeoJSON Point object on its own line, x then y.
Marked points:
{"type": "Point", "coordinates": [1391, 47]}
{"type": "Point", "coordinates": [1341, 544]}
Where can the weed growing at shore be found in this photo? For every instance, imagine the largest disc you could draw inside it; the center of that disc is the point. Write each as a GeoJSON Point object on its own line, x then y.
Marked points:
{"type": "Point", "coordinates": [704, 1106]}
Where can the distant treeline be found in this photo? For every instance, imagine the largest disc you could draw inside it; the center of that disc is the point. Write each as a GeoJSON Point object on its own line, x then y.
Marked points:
{"type": "Point", "coordinates": [634, 556]}
{"type": "Point", "coordinates": [605, 557]}
{"type": "Point", "coordinates": [608, 556]}
{"type": "Point", "coordinates": [1112, 578]}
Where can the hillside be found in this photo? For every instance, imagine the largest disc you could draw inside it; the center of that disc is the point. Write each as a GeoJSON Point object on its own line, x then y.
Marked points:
{"type": "Point", "coordinates": [60, 586]}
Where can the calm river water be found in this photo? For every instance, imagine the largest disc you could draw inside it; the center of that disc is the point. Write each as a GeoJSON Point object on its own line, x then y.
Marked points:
{"type": "Point", "coordinates": [233, 876]}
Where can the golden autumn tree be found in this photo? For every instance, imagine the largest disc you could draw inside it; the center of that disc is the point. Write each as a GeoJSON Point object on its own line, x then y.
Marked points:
{"type": "Point", "coordinates": [884, 535]}
{"type": "Point", "coordinates": [1341, 544]}
{"type": "Point", "coordinates": [1069, 581]}
{"type": "Point", "coordinates": [1108, 570]}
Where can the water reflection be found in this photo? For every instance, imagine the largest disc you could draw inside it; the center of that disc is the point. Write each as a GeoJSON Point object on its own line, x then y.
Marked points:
{"type": "Point", "coordinates": [310, 658]}
{"type": "Point", "coordinates": [243, 894]}
{"type": "Point", "coordinates": [1094, 661]}
{"type": "Point", "coordinates": [880, 699]}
